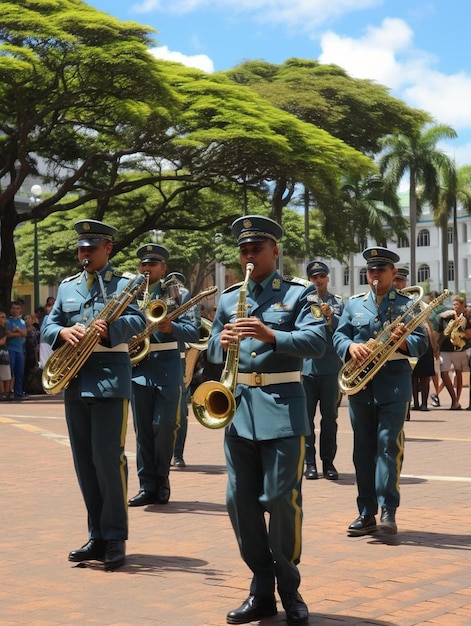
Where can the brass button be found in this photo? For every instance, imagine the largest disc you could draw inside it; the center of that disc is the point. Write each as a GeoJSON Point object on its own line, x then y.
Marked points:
{"type": "Point", "coordinates": [253, 355]}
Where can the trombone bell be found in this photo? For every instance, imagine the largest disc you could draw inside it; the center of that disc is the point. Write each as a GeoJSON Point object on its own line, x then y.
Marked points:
{"type": "Point", "coordinates": [213, 404]}
{"type": "Point", "coordinates": [156, 311]}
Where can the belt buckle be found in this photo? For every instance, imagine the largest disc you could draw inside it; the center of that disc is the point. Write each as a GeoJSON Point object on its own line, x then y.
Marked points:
{"type": "Point", "coordinates": [256, 379]}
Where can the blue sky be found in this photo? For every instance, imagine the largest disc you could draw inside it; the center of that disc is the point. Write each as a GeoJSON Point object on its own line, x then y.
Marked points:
{"type": "Point", "coordinates": [419, 49]}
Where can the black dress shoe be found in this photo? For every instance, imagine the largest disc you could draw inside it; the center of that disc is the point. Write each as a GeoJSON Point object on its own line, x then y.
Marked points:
{"type": "Point", "coordinates": [93, 550]}
{"type": "Point", "coordinates": [295, 607]}
{"type": "Point", "coordinates": [143, 498]}
{"type": "Point", "coordinates": [178, 461]}
{"type": "Point", "coordinates": [387, 523]}
{"type": "Point", "coordinates": [363, 525]}
{"type": "Point", "coordinates": [115, 554]}
{"type": "Point", "coordinates": [311, 472]}
{"type": "Point", "coordinates": [253, 609]}
{"type": "Point", "coordinates": [163, 490]}
{"type": "Point", "coordinates": [329, 470]}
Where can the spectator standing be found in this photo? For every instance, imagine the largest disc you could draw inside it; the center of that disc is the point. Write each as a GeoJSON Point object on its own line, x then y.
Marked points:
{"type": "Point", "coordinates": [320, 380]}
{"type": "Point", "coordinates": [455, 338]}
{"type": "Point", "coordinates": [16, 337]}
{"type": "Point", "coordinates": [5, 373]}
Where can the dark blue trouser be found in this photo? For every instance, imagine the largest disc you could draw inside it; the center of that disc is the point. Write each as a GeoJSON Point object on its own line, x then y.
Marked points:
{"type": "Point", "coordinates": [378, 452]}
{"type": "Point", "coordinates": [322, 390]}
{"type": "Point", "coordinates": [265, 476]}
{"type": "Point", "coordinates": [97, 432]}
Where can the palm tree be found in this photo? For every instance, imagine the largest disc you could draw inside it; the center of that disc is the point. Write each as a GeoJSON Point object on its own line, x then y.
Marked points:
{"type": "Point", "coordinates": [418, 155]}
{"type": "Point", "coordinates": [371, 207]}
{"type": "Point", "coordinates": [455, 189]}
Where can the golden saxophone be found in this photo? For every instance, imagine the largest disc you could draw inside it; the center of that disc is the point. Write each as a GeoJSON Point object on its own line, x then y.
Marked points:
{"type": "Point", "coordinates": [354, 376]}
{"type": "Point", "coordinates": [195, 349]}
{"type": "Point", "coordinates": [139, 346]}
{"type": "Point", "coordinates": [65, 362]}
{"type": "Point", "coordinates": [455, 331]}
{"type": "Point", "coordinates": [214, 402]}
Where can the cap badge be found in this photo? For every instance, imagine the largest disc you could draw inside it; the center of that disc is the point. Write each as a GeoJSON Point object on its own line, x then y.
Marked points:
{"type": "Point", "coordinates": [247, 224]}
{"type": "Point", "coordinates": [86, 226]}
{"type": "Point", "coordinates": [149, 248]}
{"type": "Point", "coordinates": [374, 253]}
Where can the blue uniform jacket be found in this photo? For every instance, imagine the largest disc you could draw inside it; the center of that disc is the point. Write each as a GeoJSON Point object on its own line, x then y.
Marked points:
{"type": "Point", "coordinates": [165, 367]}
{"type": "Point", "coordinates": [276, 410]}
{"type": "Point", "coordinates": [105, 374]}
{"type": "Point", "coordinates": [330, 363]}
{"type": "Point", "coordinates": [362, 320]}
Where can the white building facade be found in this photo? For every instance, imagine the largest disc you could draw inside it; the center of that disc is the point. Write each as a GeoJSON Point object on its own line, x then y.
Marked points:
{"type": "Point", "coordinates": [349, 278]}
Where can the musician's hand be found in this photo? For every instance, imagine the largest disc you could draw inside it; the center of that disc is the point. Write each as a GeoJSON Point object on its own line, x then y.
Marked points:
{"type": "Point", "coordinates": [228, 336]}
{"type": "Point", "coordinates": [72, 334]}
{"type": "Point", "coordinates": [359, 351]}
{"type": "Point", "coordinates": [397, 334]}
{"type": "Point", "coordinates": [165, 326]}
{"type": "Point", "coordinates": [254, 327]}
{"type": "Point", "coordinates": [327, 311]}
{"type": "Point", "coordinates": [101, 327]}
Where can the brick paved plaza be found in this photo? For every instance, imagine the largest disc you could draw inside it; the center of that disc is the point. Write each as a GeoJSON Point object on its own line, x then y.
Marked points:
{"type": "Point", "coordinates": [183, 567]}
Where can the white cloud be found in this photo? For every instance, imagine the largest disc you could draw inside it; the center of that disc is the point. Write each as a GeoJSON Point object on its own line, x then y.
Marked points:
{"type": "Point", "coordinates": [304, 14]}
{"type": "Point", "coordinates": [199, 61]}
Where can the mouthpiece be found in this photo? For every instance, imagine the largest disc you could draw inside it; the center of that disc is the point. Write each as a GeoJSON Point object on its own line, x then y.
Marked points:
{"type": "Point", "coordinates": [85, 263]}
{"type": "Point", "coordinates": [249, 267]}
{"type": "Point", "coordinates": [375, 283]}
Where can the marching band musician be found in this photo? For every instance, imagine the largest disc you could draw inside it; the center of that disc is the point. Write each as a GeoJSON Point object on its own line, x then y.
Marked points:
{"type": "Point", "coordinates": [320, 380]}
{"type": "Point", "coordinates": [378, 411]}
{"type": "Point", "coordinates": [96, 400]}
{"type": "Point", "coordinates": [194, 314]}
{"type": "Point", "coordinates": [157, 384]}
{"type": "Point", "coordinates": [265, 443]}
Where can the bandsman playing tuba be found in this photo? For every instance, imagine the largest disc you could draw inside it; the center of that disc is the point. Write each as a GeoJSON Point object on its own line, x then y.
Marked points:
{"type": "Point", "coordinates": [378, 411]}
{"type": "Point", "coordinates": [96, 400]}
{"type": "Point", "coordinates": [157, 382]}
{"type": "Point", "coordinates": [264, 443]}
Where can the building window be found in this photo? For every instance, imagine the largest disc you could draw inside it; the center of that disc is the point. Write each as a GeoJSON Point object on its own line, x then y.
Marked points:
{"type": "Point", "coordinates": [423, 238]}
{"type": "Point", "coordinates": [402, 242]}
{"type": "Point", "coordinates": [423, 273]}
{"type": "Point", "coordinates": [451, 270]}
{"type": "Point", "coordinates": [346, 276]}
{"type": "Point", "coordinates": [450, 234]}
{"type": "Point", "coordinates": [363, 278]}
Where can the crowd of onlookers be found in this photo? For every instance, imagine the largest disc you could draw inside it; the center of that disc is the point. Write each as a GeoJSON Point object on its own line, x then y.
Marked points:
{"type": "Point", "coordinates": [22, 354]}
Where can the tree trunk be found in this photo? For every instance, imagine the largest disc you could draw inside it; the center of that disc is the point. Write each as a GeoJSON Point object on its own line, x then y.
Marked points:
{"type": "Point", "coordinates": [413, 223]}
{"type": "Point", "coordinates": [444, 236]}
{"type": "Point", "coordinates": [455, 247]}
{"type": "Point", "coordinates": [7, 255]}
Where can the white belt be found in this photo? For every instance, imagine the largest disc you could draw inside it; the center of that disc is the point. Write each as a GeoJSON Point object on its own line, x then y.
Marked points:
{"type": "Point", "coordinates": [121, 347]}
{"type": "Point", "coordinates": [157, 347]}
{"type": "Point", "coordinates": [397, 356]}
{"type": "Point", "coordinates": [261, 380]}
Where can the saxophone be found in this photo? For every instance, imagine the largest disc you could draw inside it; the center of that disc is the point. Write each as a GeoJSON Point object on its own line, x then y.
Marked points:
{"type": "Point", "coordinates": [214, 402]}
{"type": "Point", "coordinates": [139, 346]}
{"type": "Point", "coordinates": [455, 331]}
{"type": "Point", "coordinates": [65, 362]}
{"type": "Point", "coordinates": [354, 376]}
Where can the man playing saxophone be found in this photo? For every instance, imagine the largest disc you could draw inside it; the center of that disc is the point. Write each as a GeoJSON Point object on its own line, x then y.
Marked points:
{"type": "Point", "coordinates": [378, 411]}
{"type": "Point", "coordinates": [265, 443]}
{"type": "Point", "coordinates": [96, 400]}
{"type": "Point", "coordinates": [157, 382]}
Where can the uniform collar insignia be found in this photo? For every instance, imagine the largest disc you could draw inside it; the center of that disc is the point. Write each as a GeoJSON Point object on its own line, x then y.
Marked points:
{"type": "Point", "coordinates": [392, 295]}
{"type": "Point", "coordinates": [276, 284]}
{"type": "Point", "coordinates": [107, 276]}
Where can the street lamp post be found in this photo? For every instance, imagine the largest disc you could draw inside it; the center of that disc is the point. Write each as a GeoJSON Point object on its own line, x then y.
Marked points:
{"type": "Point", "coordinates": [36, 192]}
{"type": "Point", "coordinates": [219, 269]}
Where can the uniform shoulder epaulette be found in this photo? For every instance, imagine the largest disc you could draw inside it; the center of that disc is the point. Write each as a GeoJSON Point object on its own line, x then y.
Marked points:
{"type": "Point", "coordinates": [69, 278]}
{"type": "Point", "coordinates": [336, 295]}
{"type": "Point", "coordinates": [232, 287]}
{"type": "Point", "coordinates": [358, 295]}
{"type": "Point", "coordinates": [296, 280]}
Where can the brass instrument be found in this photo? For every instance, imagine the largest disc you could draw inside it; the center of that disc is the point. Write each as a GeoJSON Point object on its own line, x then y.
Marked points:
{"type": "Point", "coordinates": [65, 362]}
{"type": "Point", "coordinates": [194, 350]}
{"type": "Point", "coordinates": [455, 331]}
{"type": "Point", "coordinates": [354, 376]}
{"type": "Point", "coordinates": [214, 402]}
{"type": "Point", "coordinates": [139, 346]}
